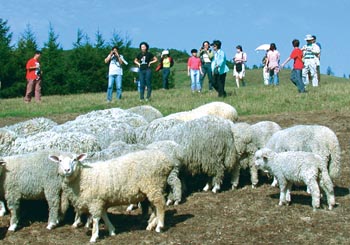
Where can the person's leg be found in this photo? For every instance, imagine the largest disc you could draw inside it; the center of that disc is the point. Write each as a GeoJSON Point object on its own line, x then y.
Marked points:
{"type": "Point", "coordinates": [313, 72]}
{"type": "Point", "coordinates": [142, 79]}
{"type": "Point", "coordinates": [29, 91]}
{"type": "Point", "coordinates": [119, 79]}
{"type": "Point", "coordinates": [149, 83]}
{"type": "Point", "coordinates": [198, 84]}
{"type": "Point", "coordinates": [110, 87]}
{"type": "Point", "coordinates": [37, 91]}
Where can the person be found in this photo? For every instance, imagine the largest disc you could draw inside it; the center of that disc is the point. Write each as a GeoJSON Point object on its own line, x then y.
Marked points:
{"type": "Point", "coordinates": [144, 60]}
{"type": "Point", "coordinates": [266, 73]}
{"type": "Point", "coordinates": [219, 68]}
{"type": "Point", "coordinates": [194, 70]}
{"type": "Point", "coordinates": [206, 55]}
{"type": "Point", "coordinates": [239, 65]}
{"type": "Point", "coordinates": [33, 76]}
{"type": "Point", "coordinates": [310, 52]}
{"type": "Point", "coordinates": [273, 59]}
{"type": "Point", "coordinates": [166, 62]}
{"type": "Point", "coordinates": [318, 59]}
{"type": "Point", "coordinates": [115, 73]}
{"type": "Point", "coordinates": [297, 56]}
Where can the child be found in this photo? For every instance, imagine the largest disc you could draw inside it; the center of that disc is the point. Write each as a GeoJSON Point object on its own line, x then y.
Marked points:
{"type": "Point", "coordinates": [194, 70]}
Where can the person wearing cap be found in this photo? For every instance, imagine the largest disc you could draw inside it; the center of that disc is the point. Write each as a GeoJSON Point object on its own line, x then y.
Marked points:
{"type": "Point", "coordinates": [194, 70]}
{"type": "Point", "coordinates": [33, 76]}
{"type": "Point", "coordinates": [206, 56]}
{"type": "Point", "coordinates": [219, 68]}
{"type": "Point", "coordinates": [115, 73]}
{"type": "Point", "coordinates": [310, 52]}
{"type": "Point", "coordinates": [239, 67]}
{"type": "Point", "coordinates": [166, 62]}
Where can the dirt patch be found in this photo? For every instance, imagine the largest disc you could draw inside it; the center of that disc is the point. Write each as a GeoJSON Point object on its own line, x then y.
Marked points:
{"type": "Point", "coordinates": [243, 216]}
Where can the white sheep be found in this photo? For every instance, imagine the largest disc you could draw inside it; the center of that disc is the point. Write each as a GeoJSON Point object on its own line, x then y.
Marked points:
{"type": "Point", "coordinates": [209, 149]}
{"type": "Point", "coordinates": [32, 126]}
{"type": "Point", "coordinates": [127, 179]}
{"type": "Point", "coordinates": [297, 167]}
{"type": "Point", "coordinates": [7, 139]}
{"type": "Point", "coordinates": [219, 109]}
{"type": "Point", "coordinates": [310, 138]}
{"type": "Point", "coordinates": [31, 177]}
{"type": "Point", "coordinates": [262, 132]}
{"type": "Point", "coordinates": [147, 112]}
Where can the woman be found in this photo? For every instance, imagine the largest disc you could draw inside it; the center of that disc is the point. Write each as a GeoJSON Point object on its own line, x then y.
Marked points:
{"type": "Point", "coordinates": [239, 67]}
{"type": "Point", "coordinates": [273, 59]}
{"type": "Point", "coordinates": [219, 68]}
{"type": "Point", "coordinates": [144, 60]}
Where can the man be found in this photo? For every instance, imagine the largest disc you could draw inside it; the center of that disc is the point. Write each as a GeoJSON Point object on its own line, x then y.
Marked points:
{"type": "Point", "coordinates": [33, 77]}
{"type": "Point", "coordinates": [318, 58]}
{"type": "Point", "coordinates": [310, 52]}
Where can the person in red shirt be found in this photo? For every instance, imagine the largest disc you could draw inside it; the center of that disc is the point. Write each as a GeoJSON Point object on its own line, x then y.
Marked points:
{"type": "Point", "coordinates": [33, 77]}
{"type": "Point", "coordinates": [296, 75]}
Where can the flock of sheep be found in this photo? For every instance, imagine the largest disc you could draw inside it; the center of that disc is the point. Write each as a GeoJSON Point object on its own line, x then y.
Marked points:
{"type": "Point", "coordinates": [124, 157]}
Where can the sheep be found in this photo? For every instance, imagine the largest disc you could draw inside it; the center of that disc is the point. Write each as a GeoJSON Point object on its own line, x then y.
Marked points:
{"type": "Point", "coordinates": [130, 178]}
{"type": "Point", "coordinates": [7, 139]}
{"type": "Point", "coordinates": [219, 109]}
{"type": "Point", "coordinates": [32, 126]}
{"type": "Point", "coordinates": [262, 132]}
{"type": "Point", "coordinates": [310, 138]}
{"type": "Point", "coordinates": [297, 167]}
{"type": "Point", "coordinates": [147, 112]}
{"type": "Point", "coordinates": [30, 176]}
{"type": "Point", "coordinates": [208, 144]}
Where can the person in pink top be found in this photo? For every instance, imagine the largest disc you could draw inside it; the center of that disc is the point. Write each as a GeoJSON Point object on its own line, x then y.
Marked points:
{"type": "Point", "coordinates": [194, 70]}
{"type": "Point", "coordinates": [273, 59]}
{"type": "Point", "coordinates": [296, 75]}
{"type": "Point", "coordinates": [33, 77]}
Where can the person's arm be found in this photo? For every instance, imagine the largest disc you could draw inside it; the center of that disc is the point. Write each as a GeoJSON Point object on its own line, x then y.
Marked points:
{"type": "Point", "coordinates": [109, 57]}
{"type": "Point", "coordinates": [154, 60]}
{"type": "Point", "coordinates": [285, 62]}
{"type": "Point", "coordinates": [136, 62]}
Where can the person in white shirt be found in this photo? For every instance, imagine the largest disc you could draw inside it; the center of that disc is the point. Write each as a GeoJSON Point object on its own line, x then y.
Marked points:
{"type": "Point", "coordinates": [115, 73]}
{"type": "Point", "coordinates": [310, 53]}
{"type": "Point", "coordinates": [239, 67]}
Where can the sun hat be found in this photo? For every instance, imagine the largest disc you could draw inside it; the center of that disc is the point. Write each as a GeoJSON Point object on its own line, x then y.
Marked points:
{"type": "Point", "coordinates": [165, 52]}
{"type": "Point", "coordinates": [309, 37]}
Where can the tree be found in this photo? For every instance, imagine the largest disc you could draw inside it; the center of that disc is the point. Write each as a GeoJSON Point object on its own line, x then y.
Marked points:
{"type": "Point", "coordinates": [6, 65]}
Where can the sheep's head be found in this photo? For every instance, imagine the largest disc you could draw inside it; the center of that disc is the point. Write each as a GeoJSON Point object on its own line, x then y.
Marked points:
{"type": "Point", "coordinates": [67, 165]}
{"type": "Point", "coordinates": [261, 158]}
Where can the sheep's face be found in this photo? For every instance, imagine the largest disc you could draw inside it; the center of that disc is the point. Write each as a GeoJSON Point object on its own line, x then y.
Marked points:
{"type": "Point", "coordinates": [261, 159]}
{"type": "Point", "coordinates": [67, 165]}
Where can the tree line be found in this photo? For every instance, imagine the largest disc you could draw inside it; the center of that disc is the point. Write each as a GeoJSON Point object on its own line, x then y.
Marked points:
{"type": "Point", "coordinates": [78, 70]}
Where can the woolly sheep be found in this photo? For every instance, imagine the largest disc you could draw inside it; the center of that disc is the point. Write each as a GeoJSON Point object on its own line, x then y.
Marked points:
{"type": "Point", "coordinates": [208, 145]}
{"type": "Point", "coordinates": [147, 112]}
{"type": "Point", "coordinates": [32, 126]}
{"type": "Point", "coordinates": [219, 109]}
{"type": "Point", "coordinates": [7, 139]}
{"type": "Point", "coordinates": [262, 132]}
{"type": "Point", "coordinates": [310, 138]}
{"type": "Point", "coordinates": [119, 181]}
{"type": "Point", "coordinates": [65, 141]}
{"type": "Point", "coordinates": [31, 177]}
{"type": "Point", "coordinates": [297, 167]}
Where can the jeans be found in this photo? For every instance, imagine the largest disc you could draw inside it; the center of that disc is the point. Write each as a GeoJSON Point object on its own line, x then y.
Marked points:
{"type": "Point", "coordinates": [274, 77]}
{"type": "Point", "coordinates": [145, 80]}
{"type": "Point", "coordinates": [296, 78]}
{"type": "Point", "coordinates": [166, 74]}
{"type": "Point", "coordinates": [118, 83]}
{"type": "Point", "coordinates": [195, 84]}
{"type": "Point", "coordinates": [206, 68]}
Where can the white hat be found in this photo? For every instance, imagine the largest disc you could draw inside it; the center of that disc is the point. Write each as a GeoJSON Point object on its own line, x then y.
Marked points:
{"type": "Point", "coordinates": [309, 37]}
{"type": "Point", "coordinates": [165, 52]}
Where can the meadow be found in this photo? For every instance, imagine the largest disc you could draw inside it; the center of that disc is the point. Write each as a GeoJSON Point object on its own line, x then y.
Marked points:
{"type": "Point", "coordinates": [242, 216]}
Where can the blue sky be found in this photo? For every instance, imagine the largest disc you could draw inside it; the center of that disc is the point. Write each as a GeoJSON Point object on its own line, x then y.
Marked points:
{"type": "Point", "coordinates": [185, 24]}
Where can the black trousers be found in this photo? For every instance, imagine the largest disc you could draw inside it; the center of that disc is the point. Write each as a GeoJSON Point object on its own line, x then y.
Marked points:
{"type": "Point", "coordinates": [219, 84]}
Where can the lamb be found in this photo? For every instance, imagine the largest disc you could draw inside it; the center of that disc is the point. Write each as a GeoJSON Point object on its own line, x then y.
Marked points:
{"type": "Point", "coordinates": [310, 138]}
{"type": "Point", "coordinates": [31, 177]}
{"type": "Point", "coordinates": [219, 109]}
{"type": "Point", "coordinates": [209, 149]}
{"type": "Point", "coordinates": [127, 179]}
{"type": "Point", "coordinates": [297, 167]}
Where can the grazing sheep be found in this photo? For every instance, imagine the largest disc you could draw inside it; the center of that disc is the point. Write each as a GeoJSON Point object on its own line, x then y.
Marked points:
{"type": "Point", "coordinates": [130, 178]}
{"type": "Point", "coordinates": [208, 145]}
{"type": "Point", "coordinates": [263, 131]}
{"type": "Point", "coordinates": [297, 167]}
{"type": "Point", "coordinates": [219, 109]}
{"type": "Point", "coordinates": [318, 139]}
{"type": "Point", "coordinates": [32, 126]}
{"type": "Point", "coordinates": [31, 177]}
{"type": "Point", "coordinates": [147, 112]}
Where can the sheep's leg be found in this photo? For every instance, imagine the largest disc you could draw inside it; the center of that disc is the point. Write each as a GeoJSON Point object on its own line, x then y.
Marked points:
{"type": "Point", "coordinates": [2, 209]}
{"type": "Point", "coordinates": [327, 186]}
{"type": "Point", "coordinates": [130, 207]}
{"type": "Point", "coordinates": [176, 188]}
{"type": "Point", "coordinates": [254, 175]}
{"type": "Point", "coordinates": [288, 191]}
{"type": "Point", "coordinates": [158, 205]}
{"type": "Point", "coordinates": [235, 176]}
{"type": "Point", "coordinates": [207, 187]}
{"type": "Point", "coordinates": [13, 205]}
{"type": "Point", "coordinates": [274, 182]}
{"type": "Point", "coordinates": [54, 206]}
{"type": "Point", "coordinates": [108, 223]}
{"type": "Point", "coordinates": [283, 190]}
{"type": "Point", "coordinates": [77, 220]}
{"type": "Point", "coordinates": [315, 193]}
{"type": "Point", "coordinates": [95, 229]}
{"type": "Point", "coordinates": [217, 179]}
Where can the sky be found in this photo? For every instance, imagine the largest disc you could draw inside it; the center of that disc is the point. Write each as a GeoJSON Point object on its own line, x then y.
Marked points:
{"type": "Point", "coordinates": [185, 24]}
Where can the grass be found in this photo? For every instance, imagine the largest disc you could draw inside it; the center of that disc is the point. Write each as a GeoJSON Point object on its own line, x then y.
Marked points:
{"type": "Point", "coordinates": [254, 99]}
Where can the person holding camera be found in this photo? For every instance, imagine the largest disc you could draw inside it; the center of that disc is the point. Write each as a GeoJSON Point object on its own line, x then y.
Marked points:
{"type": "Point", "coordinates": [33, 77]}
{"type": "Point", "coordinates": [206, 55]}
{"type": "Point", "coordinates": [115, 73]}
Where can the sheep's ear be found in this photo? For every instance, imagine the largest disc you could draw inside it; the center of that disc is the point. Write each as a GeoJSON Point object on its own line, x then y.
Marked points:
{"type": "Point", "coordinates": [54, 158]}
{"type": "Point", "coordinates": [81, 157]}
